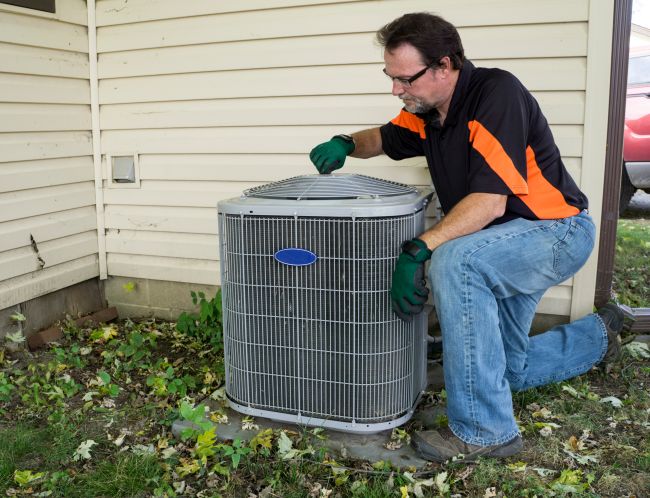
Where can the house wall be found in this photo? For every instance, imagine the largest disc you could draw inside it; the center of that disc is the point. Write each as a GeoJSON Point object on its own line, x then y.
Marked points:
{"type": "Point", "coordinates": [216, 97]}
{"type": "Point", "coordinates": [48, 234]}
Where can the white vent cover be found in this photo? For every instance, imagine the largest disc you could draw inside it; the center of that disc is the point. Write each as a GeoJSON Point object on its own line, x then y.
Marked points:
{"type": "Point", "coordinates": [309, 333]}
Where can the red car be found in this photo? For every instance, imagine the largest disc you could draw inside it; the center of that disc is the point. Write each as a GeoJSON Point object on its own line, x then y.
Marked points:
{"type": "Point", "coordinates": [636, 138]}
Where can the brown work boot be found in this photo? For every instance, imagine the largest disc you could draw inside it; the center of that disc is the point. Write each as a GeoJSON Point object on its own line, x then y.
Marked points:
{"type": "Point", "coordinates": [613, 318]}
{"type": "Point", "coordinates": [442, 445]}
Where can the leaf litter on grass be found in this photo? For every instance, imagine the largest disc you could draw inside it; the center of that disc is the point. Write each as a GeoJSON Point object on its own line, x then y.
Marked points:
{"type": "Point", "coordinates": [106, 396]}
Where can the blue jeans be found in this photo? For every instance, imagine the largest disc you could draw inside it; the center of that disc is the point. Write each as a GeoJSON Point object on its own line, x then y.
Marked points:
{"type": "Point", "coordinates": [486, 287]}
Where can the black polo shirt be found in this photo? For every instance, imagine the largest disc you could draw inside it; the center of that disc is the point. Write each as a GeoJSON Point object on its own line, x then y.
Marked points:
{"type": "Point", "coordinates": [495, 139]}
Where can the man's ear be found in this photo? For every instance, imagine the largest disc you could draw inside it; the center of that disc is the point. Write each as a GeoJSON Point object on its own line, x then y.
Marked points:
{"type": "Point", "coordinates": [445, 63]}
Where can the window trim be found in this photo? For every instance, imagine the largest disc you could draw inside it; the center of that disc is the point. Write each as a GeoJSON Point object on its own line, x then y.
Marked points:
{"type": "Point", "coordinates": [46, 6]}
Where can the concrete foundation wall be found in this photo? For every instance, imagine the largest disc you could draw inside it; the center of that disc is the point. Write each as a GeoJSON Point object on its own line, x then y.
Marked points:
{"type": "Point", "coordinates": [41, 312]}
{"type": "Point", "coordinates": [141, 297]}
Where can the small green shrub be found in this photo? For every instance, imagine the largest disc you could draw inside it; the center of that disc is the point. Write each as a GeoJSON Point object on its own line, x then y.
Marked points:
{"type": "Point", "coordinates": [207, 325]}
{"type": "Point", "coordinates": [6, 387]}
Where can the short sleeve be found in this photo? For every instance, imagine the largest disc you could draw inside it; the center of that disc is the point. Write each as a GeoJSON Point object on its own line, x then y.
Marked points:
{"type": "Point", "coordinates": [404, 136]}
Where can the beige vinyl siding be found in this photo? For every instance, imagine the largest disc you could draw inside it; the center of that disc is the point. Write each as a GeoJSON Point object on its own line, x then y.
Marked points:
{"type": "Point", "coordinates": [179, 25]}
{"type": "Point", "coordinates": [216, 97]}
{"type": "Point", "coordinates": [48, 225]}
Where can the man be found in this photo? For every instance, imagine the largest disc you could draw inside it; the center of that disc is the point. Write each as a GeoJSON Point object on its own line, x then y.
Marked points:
{"type": "Point", "coordinates": [515, 225]}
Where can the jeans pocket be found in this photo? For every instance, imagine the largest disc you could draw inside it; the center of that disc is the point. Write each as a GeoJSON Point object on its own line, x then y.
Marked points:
{"type": "Point", "coordinates": [574, 245]}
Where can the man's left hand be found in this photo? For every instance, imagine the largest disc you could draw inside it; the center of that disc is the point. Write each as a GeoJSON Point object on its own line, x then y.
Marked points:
{"type": "Point", "coordinates": [409, 291]}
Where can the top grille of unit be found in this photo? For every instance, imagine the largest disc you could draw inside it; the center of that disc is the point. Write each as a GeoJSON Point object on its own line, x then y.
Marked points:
{"type": "Point", "coordinates": [330, 187]}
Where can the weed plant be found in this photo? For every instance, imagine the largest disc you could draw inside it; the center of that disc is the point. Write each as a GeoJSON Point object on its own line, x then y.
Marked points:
{"type": "Point", "coordinates": [205, 326]}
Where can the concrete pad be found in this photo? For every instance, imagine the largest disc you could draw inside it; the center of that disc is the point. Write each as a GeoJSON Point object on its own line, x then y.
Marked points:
{"type": "Point", "coordinates": [368, 447]}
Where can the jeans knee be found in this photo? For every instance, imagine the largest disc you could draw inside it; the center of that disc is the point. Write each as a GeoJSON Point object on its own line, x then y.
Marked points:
{"type": "Point", "coordinates": [452, 260]}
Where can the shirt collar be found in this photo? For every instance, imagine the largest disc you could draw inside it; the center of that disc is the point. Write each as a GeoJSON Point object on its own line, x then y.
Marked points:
{"type": "Point", "coordinates": [432, 117]}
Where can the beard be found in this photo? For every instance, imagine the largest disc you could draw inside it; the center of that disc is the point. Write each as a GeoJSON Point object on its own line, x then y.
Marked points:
{"type": "Point", "coordinates": [415, 106]}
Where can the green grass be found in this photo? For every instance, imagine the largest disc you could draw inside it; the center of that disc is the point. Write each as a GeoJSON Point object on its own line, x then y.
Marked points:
{"type": "Point", "coordinates": [631, 280]}
{"type": "Point", "coordinates": [124, 475]}
{"type": "Point", "coordinates": [33, 447]}
{"type": "Point", "coordinates": [50, 449]}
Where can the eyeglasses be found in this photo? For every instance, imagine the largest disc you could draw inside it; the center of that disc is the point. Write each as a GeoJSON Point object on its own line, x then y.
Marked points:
{"type": "Point", "coordinates": [407, 82]}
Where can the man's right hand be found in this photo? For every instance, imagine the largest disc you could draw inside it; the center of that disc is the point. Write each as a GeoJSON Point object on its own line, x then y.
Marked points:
{"type": "Point", "coordinates": [331, 155]}
{"type": "Point", "coordinates": [409, 290]}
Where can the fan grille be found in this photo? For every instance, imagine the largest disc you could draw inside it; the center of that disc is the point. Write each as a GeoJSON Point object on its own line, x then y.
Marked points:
{"type": "Point", "coordinates": [318, 340]}
{"type": "Point", "coordinates": [335, 187]}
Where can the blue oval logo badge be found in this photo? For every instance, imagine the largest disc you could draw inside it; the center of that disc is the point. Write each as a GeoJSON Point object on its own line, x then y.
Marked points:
{"type": "Point", "coordinates": [293, 256]}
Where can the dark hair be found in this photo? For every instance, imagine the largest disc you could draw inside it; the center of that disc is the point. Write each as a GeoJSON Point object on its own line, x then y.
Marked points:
{"type": "Point", "coordinates": [431, 35]}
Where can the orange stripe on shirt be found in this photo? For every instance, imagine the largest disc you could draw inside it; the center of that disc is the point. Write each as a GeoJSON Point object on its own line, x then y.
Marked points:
{"type": "Point", "coordinates": [545, 201]}
{"type": "Point", "coordinates": [411, 122]}
{"type": "Point", "coordinates": [492, 151]}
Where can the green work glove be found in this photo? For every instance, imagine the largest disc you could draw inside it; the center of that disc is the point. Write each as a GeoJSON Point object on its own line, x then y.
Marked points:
{"type": "Point", "coordinates": [409, 290]}
{"type": "Point", "coordinates": [331, 155]}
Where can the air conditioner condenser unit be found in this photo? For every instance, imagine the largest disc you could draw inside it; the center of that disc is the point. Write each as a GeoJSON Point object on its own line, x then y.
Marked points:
{"type": "Point", "coordinates": [309, 333]}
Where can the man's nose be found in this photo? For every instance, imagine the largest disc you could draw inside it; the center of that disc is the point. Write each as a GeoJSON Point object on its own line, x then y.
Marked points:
{"type": "Point", "coordinates": [398, 88]}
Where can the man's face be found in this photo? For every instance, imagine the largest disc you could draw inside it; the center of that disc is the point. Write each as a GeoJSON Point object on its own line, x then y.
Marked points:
{"type": "Point", "coordinates": [431, 90]}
